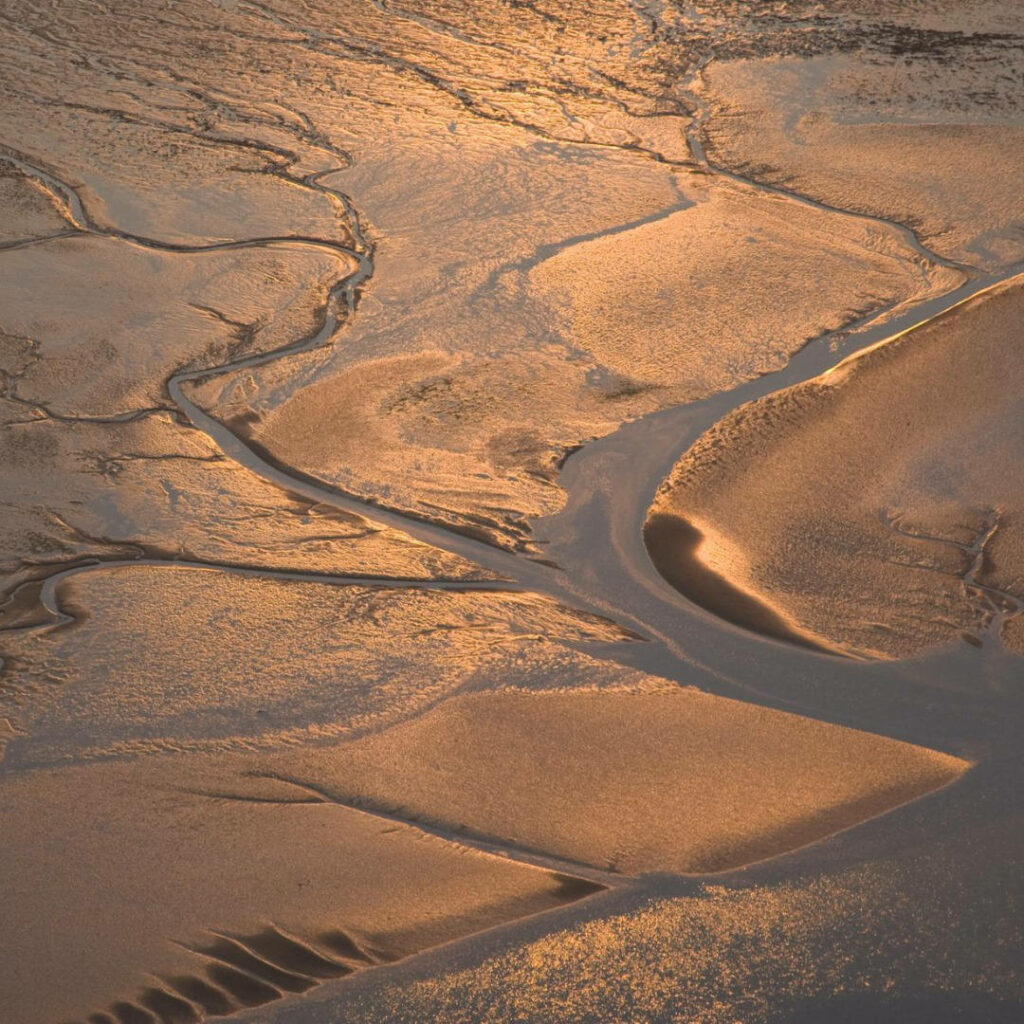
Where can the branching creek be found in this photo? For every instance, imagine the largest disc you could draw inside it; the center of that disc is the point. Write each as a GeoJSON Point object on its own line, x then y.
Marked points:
{"type": "Point", "coordinates": [595, 559]}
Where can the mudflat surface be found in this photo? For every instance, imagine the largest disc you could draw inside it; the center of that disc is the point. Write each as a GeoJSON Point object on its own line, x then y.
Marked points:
{"type": "Point", "coordinates": [511, 512]}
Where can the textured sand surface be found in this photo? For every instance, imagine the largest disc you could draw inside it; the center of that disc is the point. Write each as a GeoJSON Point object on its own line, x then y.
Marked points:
{"type": "Point", "coordinates": [909, 938]}
{"type": "Point", "coordinates": [875, 508]}
{"type": "Point", "coordinates": [353, 340]}
{"type": "Point", "coordinates": [28, 211]}
{"type": "Point", "coordinates": [143, 894]}
{"type": "Point", "coordinates": [459, 390]}
{"type": "Point", "coordinates": [102, 324]}
{"type": "Point", "coordinates": [905, 143]}
{"type": "Point", "coordinates": [186, 857]}
{"type": "Point", "coordinates": [630, 782]}
{"type": "Point", "coordinates": [168, 658]}
{"type": "Point", "coordinates": [117, 491]}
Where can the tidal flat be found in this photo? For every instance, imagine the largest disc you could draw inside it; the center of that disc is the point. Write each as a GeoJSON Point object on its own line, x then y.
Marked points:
{"type": "Point", "coordinates": [512, 511]}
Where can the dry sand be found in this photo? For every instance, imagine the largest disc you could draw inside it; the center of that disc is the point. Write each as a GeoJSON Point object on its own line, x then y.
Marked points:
{"type": "Point", "coordinates": [476, 365]}
{"type": "Point", "coordinates": [874, 509]}
{"type": "Point", "coordinates": [671, 780]}
{"type": "Point", "coordinates": [116, 491]}
{"type": "Point", "coordinates": [28, 211]}
{"type": "Point", "coordinates": [141, 895]}
{"type": "Point", "coordinates": [102, 323]}
{"type": "Point", "coordinates": [933, 139]}
{"type": "Point", "coordinates": [550, 260]}
{"type": "Point", "coordinates": [136, 864]}
{"type": "Point", "coordinates": [159, 874]}
{"type": "Point", "coordinates": [167, 658]}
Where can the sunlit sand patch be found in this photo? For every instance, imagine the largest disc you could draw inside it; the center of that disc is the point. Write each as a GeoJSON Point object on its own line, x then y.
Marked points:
{"type": "Point", "coordinates": [90, 330]}
{"type": "Point", "coordinates": [672, 780]}
{"type": "Point", "coordinates": [452, 396]}
{"type": "Point", "coordinates": [877, 506]}
{"type": "Point", "coordinates": [929, 141]}
{"type": "Point", "coordinates": [497, 156]}
{"type": "Point", "coordinates": [460, 389]}
{"type": "Point", "coordinates": [174, 658]}
{"type": "Point", "coordinates": [922, 935]}
{"type": "Point", "coordinates": [254, 96]}
{"type": "Point", "coordinates": [725, 290]}
{"type": "Point", "coordinates": [128, 891]}
{"type": "Point", "coordinates": [616, 770]}
{"type": "Point", "coordinates": [471, 172]}
{"type": "Point", "coordinates": [91, 327]}
{"type": "Point", "coordinates": [165, 183]}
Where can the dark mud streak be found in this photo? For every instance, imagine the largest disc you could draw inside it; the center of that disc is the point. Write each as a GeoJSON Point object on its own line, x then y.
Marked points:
{"type": "Point", "coordinates": [320, 43]}
{"type": "Point", "coordinates": [43, 592]}
{"type": "Point", "coordinates": [245, 971]}
{"type": "Point", "coordinates": [251, 970]}
{"type": "Point", "coordinates": [528, 573]}
{"type": "Point", "coordinates": [552, 249]}
{"type": "Point", "coordinates": [343, 300]}
{"type": "Point", "coordinates": [995, 606]}
{"type": "Point", "coordinates": [590, 877]}
{"type": "Point", "coordinates": [697, 141]}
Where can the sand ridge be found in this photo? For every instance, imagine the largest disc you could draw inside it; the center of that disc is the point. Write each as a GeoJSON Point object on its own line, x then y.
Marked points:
{"type": "Point", "coordinates": [664, 780]}
{"type": "Point", "coordinates": [873, 508]}
{"type": "Point", "coordinates": [195, 907]}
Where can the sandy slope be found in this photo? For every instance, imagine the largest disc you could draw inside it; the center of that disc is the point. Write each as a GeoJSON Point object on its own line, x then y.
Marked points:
{"type": "Point", "coordinates": [875, 508]}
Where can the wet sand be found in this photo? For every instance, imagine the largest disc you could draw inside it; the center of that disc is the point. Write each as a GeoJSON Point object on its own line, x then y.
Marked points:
{"type": "Point", "coordinates": [723, 784]}
{"type": "Point", "coordinates": [320, 789]}
{"type": "Point", "coordinates": [343, 353]}
{"type": "Point", "coordinates": [767, 949]}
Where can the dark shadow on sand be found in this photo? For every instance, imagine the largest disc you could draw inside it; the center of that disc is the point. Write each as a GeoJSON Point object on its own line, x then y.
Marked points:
{"type": "Point", "coordinates": [672, 543]}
